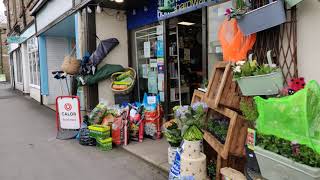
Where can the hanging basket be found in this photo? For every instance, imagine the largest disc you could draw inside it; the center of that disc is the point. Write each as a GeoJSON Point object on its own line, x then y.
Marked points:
{"type": "Point", "coordinates": [130, 87]}
{"type": "Point", "coordinates": [263, 18]}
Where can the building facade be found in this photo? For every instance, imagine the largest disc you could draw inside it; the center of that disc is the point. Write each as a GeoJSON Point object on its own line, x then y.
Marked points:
{"type": "Point", "coordinates": [177, 48]}
{"type": "Point", "coordinates": [23, 50]}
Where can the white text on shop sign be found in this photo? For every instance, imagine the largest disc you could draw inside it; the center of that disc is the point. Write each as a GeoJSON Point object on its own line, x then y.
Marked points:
{"type": "Point", "coordinates": [69, 112]}
{"type": "Point", "coordinates": [183, 6]}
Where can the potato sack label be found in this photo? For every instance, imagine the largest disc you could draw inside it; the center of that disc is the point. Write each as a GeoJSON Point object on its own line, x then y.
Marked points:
{"type": "Point", "coordinates": [69, 112]}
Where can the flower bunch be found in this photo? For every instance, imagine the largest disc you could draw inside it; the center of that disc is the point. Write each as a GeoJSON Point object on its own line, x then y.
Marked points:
{"type": "Point", "coordinates": [251, 68]}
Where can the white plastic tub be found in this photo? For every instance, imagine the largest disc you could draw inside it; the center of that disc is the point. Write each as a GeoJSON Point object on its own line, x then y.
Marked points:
{"type": "Point", "coordinates": [276, 167]}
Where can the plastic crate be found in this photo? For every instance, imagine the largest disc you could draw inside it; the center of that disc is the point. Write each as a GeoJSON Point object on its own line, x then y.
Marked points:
{"type": "Point", "coordinates": [99, 131]}
{"type": "Point", "coordinates": [104, 144]}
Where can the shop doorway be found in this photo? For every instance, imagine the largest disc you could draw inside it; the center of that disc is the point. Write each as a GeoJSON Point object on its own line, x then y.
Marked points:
{"type": "Point", "coordinates": [185, 70]}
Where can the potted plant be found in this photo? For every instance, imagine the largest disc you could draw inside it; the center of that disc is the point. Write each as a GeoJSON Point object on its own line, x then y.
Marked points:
{"type": "Point", "coordinates": [192, 118]}
{"type": "Point", "coordinates": [254, 79]}
{"type": "Point", "coordinates": [172, 132]}
{"type": "Point", "coordinates": [281, 159]}
{"type": "Point", "coordinates": [262, 18]}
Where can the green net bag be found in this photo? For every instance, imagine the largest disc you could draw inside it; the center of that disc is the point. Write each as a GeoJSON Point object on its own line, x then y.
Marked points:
{"type": "Point", "coordinates": [294, 118]}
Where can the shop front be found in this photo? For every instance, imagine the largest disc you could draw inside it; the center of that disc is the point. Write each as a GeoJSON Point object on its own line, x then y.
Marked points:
{"type": "Point", "coordinates": [173, 53]}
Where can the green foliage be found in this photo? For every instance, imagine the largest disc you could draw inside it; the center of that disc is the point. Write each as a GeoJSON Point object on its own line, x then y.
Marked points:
{"type": "Point", "coordinates": [246, 69]}
{"type": "Point", "coordinates": [249, 110]}
{"type": "Point", "coordinates": [219, 128]}
{"type": "Point", "coordinates": [193, 134]}
{"type": "Point", "coordinates": [191, 117]}
{"type": "Point", "coordinates": [212, 169]}
{"type": "Point", "coordinates": [172, 133]}
{"type": "Point", "coordinates": [283, 147]}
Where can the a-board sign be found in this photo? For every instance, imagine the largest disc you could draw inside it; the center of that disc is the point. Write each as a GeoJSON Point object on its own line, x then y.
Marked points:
{"type": "Point", "coordinates": [68, 112]}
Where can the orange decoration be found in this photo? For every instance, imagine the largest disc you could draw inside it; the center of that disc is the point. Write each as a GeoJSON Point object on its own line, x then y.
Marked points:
{"type": "Point", "coordinates": [235, 45]}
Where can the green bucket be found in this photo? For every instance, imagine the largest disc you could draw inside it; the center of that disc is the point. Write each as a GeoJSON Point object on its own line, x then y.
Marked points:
{"type": "Point", "coordinates": [267, 84]}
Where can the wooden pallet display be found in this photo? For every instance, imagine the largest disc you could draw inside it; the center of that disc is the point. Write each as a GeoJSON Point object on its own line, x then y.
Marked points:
{"type": "Point", "coordinates": [230, 96]}
{"type": "Point", "coordinates": [197, 96]}
{"type": "Point", "coordinates": [216, 84]}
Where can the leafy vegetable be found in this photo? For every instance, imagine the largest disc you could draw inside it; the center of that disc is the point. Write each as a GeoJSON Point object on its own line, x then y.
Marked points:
{"type": "Point", "coordinates": [192, 120]}
{"type": "Point", "coordinates": [193, 134]}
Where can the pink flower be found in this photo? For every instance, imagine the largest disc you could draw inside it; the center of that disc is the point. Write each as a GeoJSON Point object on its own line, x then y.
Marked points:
{"type": "Point", "coordinates": [228, 11]}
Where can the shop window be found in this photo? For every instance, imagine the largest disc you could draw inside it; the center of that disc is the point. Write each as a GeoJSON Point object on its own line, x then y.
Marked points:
{"type": "Point", "coordinates": [34, 64]}
{"type": "Point", "coordinates": [149, 61]}
{"type": "Point", "coordinates": [19, 66]}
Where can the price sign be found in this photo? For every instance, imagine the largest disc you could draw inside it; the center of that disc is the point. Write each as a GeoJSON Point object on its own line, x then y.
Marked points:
{"type": "Point", "coordinates": [68, 112]}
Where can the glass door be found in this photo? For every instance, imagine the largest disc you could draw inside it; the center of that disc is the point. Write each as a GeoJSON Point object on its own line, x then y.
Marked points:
{"type": "Point", "coordinates": [150, 62]}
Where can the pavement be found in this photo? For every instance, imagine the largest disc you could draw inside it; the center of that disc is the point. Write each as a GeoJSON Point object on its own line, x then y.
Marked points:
{"type": "Point", "coordinates": [30, 151]}
{"type": "Point", "coordinates": [154, 152]}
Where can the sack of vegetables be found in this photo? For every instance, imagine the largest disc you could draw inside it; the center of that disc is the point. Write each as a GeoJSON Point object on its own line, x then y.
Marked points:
{"type": "Point", "coordinates": [123, 82]}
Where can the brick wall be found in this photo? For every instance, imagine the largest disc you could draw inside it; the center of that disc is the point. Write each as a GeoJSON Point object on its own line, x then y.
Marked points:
{"type": "Point", "coordinates": [18, 15]}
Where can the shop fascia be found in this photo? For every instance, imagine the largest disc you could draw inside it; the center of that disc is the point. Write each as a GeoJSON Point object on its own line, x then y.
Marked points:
{"type": "Point", "coordinates": [182, 5]}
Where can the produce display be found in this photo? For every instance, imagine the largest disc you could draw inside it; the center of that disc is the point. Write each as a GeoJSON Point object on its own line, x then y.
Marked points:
{"type": "Point", "coordinates": [123, 80]}
{"type": "Point", "coordinates": [97, 113]}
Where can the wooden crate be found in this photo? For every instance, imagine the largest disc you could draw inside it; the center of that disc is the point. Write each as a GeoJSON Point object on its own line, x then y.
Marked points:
{"type": "Point", "coordinates": [216, 84]}
{"type": "Point", "coordinates": [230, 96]}
{"type": "Point", "coordinates": [197, 96]}
{"type": "Point", "coordinates": [236, 136]}
{"type": "Point", "coordinates": [234, 162]}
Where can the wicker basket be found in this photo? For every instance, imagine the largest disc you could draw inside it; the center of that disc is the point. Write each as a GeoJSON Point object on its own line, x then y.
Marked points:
{"type": "Point", "coordinates": [130, 88]}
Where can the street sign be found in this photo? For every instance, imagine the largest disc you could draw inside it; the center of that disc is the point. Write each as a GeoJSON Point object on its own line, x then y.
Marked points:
{"type": "Point", "coordinates": [68, 112]}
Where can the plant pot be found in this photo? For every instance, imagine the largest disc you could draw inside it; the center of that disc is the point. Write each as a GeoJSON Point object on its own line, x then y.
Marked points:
{"type": "Point", "coordinates": [276, 167]}
{"type": "Point", "coordinates": [191, 149]}
{"type": "Point", "coordinates": [267, 84]}
{"type": "Point", "coordinates": [171, 154]}
{"type": "Point", "coordinates": [263, 18]}
{"type": "Point", "coordinates": [291, 3]}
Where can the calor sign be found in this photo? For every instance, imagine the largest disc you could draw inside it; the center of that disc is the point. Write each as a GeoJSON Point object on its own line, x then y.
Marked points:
{"type": "Point", "coordinates": [68, 112]}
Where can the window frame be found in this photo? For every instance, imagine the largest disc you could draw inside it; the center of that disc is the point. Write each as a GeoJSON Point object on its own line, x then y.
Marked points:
{"type": "Point", "coordinates": [33, 61]}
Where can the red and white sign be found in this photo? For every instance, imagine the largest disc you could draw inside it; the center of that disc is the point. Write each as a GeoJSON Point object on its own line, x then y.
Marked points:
{"type": "Point", "coordinates": [68, 112]}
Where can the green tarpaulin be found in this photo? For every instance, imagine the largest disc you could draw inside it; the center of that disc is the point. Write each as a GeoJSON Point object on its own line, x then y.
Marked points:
{"type": "Point", "coordinates": [294, 118]}
{"type": "Point", "coordinates": [102, 73]}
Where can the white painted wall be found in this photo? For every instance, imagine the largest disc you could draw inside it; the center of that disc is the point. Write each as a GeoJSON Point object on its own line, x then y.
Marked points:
{"type": "Point", "coordinates": [18, 85]}
{"type": "Point", "coordinates": [51, 11]}
{"type": "Point", "coordinates": [26, 67]}
{"type": "Point", "coordinates": [35, 93]}
{"type": "Point", "coordinates": [308, 30]}
{"type": "Point", "coordinates": [111, 27]}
